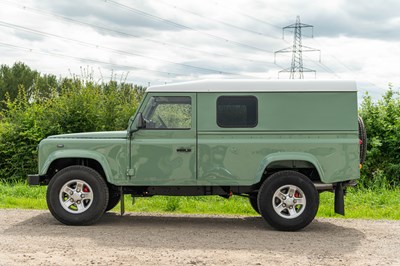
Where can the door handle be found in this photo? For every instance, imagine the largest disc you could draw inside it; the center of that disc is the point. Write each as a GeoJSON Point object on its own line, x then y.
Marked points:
{"type": "Point", "coordinates": [184, 150]}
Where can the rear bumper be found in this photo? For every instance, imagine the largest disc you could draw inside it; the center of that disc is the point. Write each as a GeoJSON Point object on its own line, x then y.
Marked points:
{"type": "Point", "coordinates": [36, 180]}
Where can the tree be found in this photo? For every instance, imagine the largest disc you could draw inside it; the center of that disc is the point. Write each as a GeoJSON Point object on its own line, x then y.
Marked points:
{"type": "Point", "coordinates": [21, 76]}
{"type": "Point", "coordinates": [40, 105]}
{"type": "Point", "coordinates": [382, 121]}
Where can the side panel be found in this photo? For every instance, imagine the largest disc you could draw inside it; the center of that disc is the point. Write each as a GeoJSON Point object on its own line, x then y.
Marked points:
{"type": "Point", "coordinates": [240, 159]}
{"type": "Point", "coordinates": [323, 111]}
{"type": "Point", "coordinates": [317, 127]}
{"type": "Point", "coordinates": [289, 111]}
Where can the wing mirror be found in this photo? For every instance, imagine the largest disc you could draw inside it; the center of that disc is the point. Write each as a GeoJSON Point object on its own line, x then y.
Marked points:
{"type": "Point", "coordinates": [141, 123]}
{"type": "Point", "coordinates": [137, 124]}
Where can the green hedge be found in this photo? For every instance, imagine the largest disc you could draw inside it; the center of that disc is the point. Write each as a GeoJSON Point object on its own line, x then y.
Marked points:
{"type": "Point", "coordinates": [53, 106]}
{"type": "Point", "coordinates": [75, 106]}
{"type": "Point", "coordinates": [382, 121]}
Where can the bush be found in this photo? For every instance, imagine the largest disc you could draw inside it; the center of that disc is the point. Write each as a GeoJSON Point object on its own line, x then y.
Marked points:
{"type": "Point", "coordinates": [77, 106]}
{"type": "Point", "coordinates": [34, 106]}
{"type": "Point", "coordinates": [382, 122]}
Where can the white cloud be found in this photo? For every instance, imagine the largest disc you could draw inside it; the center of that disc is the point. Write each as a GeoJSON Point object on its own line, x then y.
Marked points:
{"type": "Point", "coordinates": [355, 43]}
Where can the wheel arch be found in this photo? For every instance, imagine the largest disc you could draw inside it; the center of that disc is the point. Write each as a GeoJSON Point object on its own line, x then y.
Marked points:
{"type": "Point", "coordinates": [61, 159]}
{"type": "Point", "coordinates": [298, 161]}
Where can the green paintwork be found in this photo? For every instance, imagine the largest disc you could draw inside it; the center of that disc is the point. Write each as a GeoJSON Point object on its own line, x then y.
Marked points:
{"type": "Point", "coordinates": [108, 148]}
{"type": "Point", "coordinates": [241, 159]}
{"type": "Point", "coordinates": [315, 129]}
{"type": "Point", "coordinates": [154, 155]}
{"type": "Point", "coordinates": [319, 126]}
{"type": "Point", "coordinates": [287, 112]}
{"type": "Point", "coordinates": [93, 135]}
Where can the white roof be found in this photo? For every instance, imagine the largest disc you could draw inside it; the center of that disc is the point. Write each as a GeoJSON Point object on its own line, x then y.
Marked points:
{"type": "Point", "coordinates": [254, 85]}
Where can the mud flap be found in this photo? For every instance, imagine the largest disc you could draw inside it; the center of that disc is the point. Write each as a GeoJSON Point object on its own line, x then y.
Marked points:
{"type": "Point", "coordinates": [339, 198]}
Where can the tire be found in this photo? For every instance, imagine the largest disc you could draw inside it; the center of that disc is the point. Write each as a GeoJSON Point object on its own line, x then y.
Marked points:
{"type": "Point", "coordinates": [362, 134]}
{"type": "Point", "coordinates": [113, 199]}
{"type": "Point", "coordinates": [77, 195]}
{"type": "Point", "coordinates": [288, 200]}
{"type": "Point", "coordinates": [254, 202]}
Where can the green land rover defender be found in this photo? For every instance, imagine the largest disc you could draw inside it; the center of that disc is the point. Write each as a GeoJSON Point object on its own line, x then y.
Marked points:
{"type": "Point", "coordinates": [279, 143]}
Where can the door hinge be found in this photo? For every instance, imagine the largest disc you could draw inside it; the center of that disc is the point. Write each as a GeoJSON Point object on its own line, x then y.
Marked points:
{"type": "Point", "coordinates": [130, 172]}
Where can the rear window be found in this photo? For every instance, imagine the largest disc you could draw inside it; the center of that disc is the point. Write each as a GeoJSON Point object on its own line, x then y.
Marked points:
{"type": "Point", "coordinates": [237, 111]}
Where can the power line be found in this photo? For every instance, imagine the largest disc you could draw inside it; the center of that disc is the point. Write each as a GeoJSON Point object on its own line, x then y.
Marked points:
{"type": "Point", "coordinates": [335, 58]}
{"type": "Point", "coordinates": [319, 63]}
{"type": "Point", "coordinates": [322, 65]}
{"type": "Point", "coordinates": [218, 21]}
{"type": "Point", "coordinates": [325, 67]}
{"type": "Point", "coordinates": [9, 25]}
{"type": "Point", "coordinates": [86, 59]}
{"type": "Point", "coordinates": [180, 46]}
{"type": "Point", "coordinates": [296, 69]}
{"type": "Point", "coordinates": [111, 49]}
{"type": "Point", "coordinates": [328, 69]}
{"type": "Point", "coordinates": [253, 17]}
{"type": "Point", "coordinates": [178, 25]}
{"type": "Point", "coordinates": [348, 68]}
{"type": "Point", "coordinates": [163, 43]}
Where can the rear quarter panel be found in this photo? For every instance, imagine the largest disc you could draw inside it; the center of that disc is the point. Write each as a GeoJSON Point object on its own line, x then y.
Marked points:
{"type": "Point", "coordinates": [320, 124]}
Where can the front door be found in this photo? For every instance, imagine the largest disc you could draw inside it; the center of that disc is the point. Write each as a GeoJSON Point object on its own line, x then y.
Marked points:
{"type": "Point", "coordinates": [164, 152]}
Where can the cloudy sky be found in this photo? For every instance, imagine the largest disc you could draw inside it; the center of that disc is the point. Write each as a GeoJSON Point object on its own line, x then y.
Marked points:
{"type": "Point", "coordinates": [166, 41]}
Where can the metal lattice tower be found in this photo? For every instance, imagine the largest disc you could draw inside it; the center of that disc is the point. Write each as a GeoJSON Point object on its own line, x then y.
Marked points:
{"type": "Point", "coordinates": [297, 69]}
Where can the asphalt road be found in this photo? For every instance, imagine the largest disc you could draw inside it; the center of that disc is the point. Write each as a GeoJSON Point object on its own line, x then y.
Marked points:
{"type": "Point", "coordinates": [36, 238]}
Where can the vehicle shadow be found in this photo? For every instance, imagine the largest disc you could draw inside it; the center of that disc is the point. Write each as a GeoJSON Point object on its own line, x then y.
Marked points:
{"type": "Point", "coordinates": [198, 232]}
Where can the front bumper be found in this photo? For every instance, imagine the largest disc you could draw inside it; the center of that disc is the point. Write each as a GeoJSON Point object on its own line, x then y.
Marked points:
{"type": "Point", "coordinates": [36, 180]}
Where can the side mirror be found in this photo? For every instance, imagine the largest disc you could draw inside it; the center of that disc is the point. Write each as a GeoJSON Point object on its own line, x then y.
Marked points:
{"type": "Point", "coordinates": [141, 123]}
{"type": "Point", "coordinates": [137, 124]}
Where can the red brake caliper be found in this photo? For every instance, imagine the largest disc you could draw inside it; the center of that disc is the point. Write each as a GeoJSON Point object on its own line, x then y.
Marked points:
{"type": "Point", "coordinates": [85, 189]}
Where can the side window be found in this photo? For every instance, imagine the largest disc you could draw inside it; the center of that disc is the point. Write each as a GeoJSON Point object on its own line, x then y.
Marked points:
{"type": "Point", "coordinates": [168, 112]}
{"type": "Point", "coordinates": [237, 111]}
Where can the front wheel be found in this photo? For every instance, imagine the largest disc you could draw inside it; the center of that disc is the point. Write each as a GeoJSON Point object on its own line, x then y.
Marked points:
{"type": "Point", "coordinates": [77, 195]}
{"type": "Point", "coordinates": [113, 199]}
{"type": "Point", "coordinates": [288, 200]}
{"type": "Point", "coordinates": [253, 202]}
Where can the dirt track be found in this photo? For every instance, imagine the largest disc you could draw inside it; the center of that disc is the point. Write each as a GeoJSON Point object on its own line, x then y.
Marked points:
{"type": "Point", "coordinates": [35, 237]}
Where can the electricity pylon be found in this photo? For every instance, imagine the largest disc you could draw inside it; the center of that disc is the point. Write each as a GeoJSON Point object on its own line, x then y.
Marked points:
{"type": "Point", "coordinates": [297, 69]}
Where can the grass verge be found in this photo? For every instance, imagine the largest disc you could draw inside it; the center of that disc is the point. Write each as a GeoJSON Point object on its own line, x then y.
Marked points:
{"type": "Point", "coordinates": [360, 203]}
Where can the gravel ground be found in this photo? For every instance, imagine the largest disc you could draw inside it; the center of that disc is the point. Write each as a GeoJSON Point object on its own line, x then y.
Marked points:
{"type": "Point", "coordinates": [36, 238]}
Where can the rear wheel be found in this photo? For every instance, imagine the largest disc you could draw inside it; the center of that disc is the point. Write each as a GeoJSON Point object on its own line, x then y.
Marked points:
{"type": "Point", "coordinates": [288, 200]}
{"type": "Point", "coordinates": [77, 195]}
